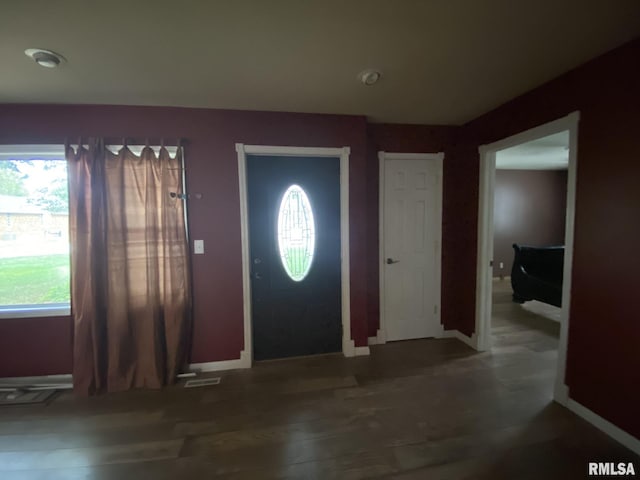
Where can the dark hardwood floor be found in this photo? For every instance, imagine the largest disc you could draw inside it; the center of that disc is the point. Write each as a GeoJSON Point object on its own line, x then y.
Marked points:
{"type": "Point", "coordinates": [427, 409]}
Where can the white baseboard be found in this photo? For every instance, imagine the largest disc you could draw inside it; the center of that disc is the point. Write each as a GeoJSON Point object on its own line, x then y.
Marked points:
{"type": "Point", "coordinates": [361, 351]}
{"type": "Point", "coordinates": [561, 393]}
{"type": "Point", "coordinates": [372, 341]}
{"type": "Point", "coordinates": [243, 362]}
{"type": "Point", "coordinates": [472, 341]}
{"type": "Point", "coordinates": [606, 426]}
{"type": "Point", "coordinates": [348, 347]}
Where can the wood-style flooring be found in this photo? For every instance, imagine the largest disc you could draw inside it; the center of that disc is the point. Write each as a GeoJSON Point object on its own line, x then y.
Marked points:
{"type": "Point", "coordinates": [425, 409]}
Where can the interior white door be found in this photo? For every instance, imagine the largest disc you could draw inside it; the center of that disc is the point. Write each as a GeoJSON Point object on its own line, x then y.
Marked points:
{"type": "Point", "coordinates": [412, 220]}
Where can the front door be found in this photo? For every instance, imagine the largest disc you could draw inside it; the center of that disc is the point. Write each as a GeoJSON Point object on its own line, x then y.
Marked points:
{"type": "Point", "coordinates": [294, 242]}
{"type": "Point", "coordinates": [411, 256]}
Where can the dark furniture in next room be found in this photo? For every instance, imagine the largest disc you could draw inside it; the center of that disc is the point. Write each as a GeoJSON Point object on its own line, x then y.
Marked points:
{"type": "Point", "coordinates": [537, 274]}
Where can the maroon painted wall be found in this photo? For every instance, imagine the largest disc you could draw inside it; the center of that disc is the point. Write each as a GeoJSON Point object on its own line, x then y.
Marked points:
{"type": "Point", "coordinates": [408, 139]}
{"type": "Point", "coordinates": [35, 346]}
{"type": "Point", "coordinates": [603, 365]}
{"type": "Point", "coordinates": [530, 207]}
{"type": "Point", "coordinates": [211, 170]}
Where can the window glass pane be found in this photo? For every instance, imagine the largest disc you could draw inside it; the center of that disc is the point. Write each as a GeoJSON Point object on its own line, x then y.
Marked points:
{"type": "Point", "coordinates": [296, 233]}
{"type": "Point", "coordinates": [34, 232]}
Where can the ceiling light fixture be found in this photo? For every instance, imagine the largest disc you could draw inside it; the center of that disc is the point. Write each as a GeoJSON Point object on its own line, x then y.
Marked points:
{"type": "Point", "coordinates": [44, 58]}
{"type": "Point", "coordinates": [369, 76]}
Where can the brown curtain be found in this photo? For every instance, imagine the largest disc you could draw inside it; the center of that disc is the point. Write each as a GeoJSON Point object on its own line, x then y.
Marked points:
{"type": "Point", "coordinates": [130, 295]}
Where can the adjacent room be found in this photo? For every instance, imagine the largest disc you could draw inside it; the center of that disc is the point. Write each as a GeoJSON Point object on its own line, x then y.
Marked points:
{"type": "Point", "coordinates": [319, 239]}
{"type": "Point", "coordinates": [529, 219]}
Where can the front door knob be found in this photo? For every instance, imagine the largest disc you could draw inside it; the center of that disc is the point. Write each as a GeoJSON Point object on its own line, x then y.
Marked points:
{"type": "Point", "coordinates": [391, 261]}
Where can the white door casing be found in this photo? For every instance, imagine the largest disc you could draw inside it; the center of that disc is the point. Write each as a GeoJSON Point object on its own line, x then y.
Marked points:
{"type": "Point", "coordinates": [485, 237]}
{"type": "Point", "coordinates": [410, 245]}
{"type": "Point", "coordinates": [348, 347]}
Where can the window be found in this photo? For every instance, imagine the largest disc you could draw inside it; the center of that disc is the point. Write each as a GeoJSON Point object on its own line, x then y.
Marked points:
{"type": "Point", "coordinates": [296, 233]}
{"type": "Point", "coordinates": [34, 238]}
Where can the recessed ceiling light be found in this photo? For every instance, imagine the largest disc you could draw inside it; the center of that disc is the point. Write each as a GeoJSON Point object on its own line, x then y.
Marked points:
{"type": "Point", "coordinates": [44, 58]}
{"type": "Point", "coordinates": [369, 76]}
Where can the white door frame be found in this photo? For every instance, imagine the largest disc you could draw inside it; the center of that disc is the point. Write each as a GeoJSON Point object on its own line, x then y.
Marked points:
{"type": "Point", "coordinates": [381, 336]}
{"type": "Point", "coordinates": [348, 345]}
{"type": "Point", "coordinates": [485, 237]}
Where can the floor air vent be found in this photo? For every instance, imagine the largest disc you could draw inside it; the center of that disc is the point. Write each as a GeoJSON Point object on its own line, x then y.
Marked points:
{"type": "Point", "coordinates": [202, 382]}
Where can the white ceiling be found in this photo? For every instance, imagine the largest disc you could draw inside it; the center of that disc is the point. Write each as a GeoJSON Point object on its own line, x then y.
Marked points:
{"type": "Point", "coordinates": [547, 153]}
{"type": "Point", "coordinates": [443, 61]}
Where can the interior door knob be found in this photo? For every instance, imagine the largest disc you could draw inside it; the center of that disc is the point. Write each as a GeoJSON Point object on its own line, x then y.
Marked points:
{"type": "Point", "coordinates": [391, 261]}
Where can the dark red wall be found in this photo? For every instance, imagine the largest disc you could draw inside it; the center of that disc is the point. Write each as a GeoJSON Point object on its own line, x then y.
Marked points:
{"type": "Point", "coordinates": [603, 365]}
{"type": "Point", "coordinates": [35, 346]}
{"type": "Point", "coordinates": [211, 170]}
{"type": "Point", "coordinates": [530, 207]}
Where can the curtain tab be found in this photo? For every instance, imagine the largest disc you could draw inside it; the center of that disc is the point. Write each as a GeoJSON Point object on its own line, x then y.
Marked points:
{"type": "Point", "coordinates": [67, 146]}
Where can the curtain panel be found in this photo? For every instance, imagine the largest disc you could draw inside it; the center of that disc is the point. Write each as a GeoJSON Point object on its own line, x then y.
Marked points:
{"type": "Point", "coordinates": [130, 280]}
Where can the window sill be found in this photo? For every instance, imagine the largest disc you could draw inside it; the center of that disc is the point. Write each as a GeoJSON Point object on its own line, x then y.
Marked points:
{"type": "Point", "coordinates": [34, 311]}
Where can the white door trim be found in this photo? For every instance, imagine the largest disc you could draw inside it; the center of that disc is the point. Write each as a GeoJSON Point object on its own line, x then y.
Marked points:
{"type": "Point", "coordinates": [485, 237]}
{"type": "Point", "coordinates": [348, 345]}
{"type": "Point", "coordinates": [381, 336]}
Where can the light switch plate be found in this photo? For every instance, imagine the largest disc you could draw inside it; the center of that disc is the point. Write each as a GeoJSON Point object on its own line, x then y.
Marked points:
{"type": "Point", "coordinates": [198, 247]}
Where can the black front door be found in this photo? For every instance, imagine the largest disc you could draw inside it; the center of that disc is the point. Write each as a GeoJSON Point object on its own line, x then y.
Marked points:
{"type": "Point", "coordinates": [294, 240]}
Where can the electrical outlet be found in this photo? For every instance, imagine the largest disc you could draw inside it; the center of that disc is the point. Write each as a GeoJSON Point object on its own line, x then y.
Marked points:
{"type": "Point", "coordinates": [501, 265]}
{"type": "Point", "coordinates": [198, 247]}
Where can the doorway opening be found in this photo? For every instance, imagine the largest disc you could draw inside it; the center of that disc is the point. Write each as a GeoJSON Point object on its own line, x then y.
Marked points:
{"type": "Point", "coordinates": [525, 242]}
{"type": "Point", "coordinates": [300, 269]}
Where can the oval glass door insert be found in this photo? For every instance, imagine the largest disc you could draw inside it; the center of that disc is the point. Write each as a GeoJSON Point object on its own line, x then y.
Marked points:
{"type": "Point", "coordinates": [296, 233]}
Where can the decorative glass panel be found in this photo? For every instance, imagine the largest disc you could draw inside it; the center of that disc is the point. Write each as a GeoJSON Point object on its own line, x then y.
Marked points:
{"type": "Point", "coordinates": [296, 233]}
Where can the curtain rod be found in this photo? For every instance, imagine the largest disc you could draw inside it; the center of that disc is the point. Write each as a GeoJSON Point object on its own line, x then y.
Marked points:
{"type": "Point", "coordinates": [132, 141]}
{"type": "Point", "coordinates": [114, 147]}
{"type": "Point", "coordinates": [136, 149]}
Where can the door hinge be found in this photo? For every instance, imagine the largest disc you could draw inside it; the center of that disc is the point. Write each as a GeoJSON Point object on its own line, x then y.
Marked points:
{"type": "Point", "coordinates": [491, 263]}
